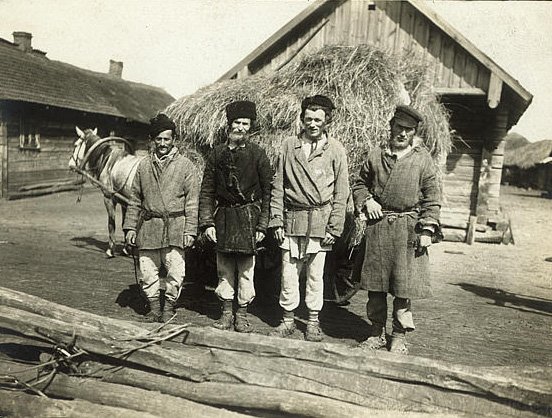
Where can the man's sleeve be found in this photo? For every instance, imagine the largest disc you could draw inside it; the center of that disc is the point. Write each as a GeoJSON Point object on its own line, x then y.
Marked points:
{"type": "Point", "coordinates": [430, 202]}
{"type": "Point", "coordinates": [133, 210]}
{"type": "Point", "coordinates": [192, 199]}
{"type": "Point", "coordinates": [277, 193]}
{"type": "Point", "coordinates": [360, 186]}
{"type": "Point", "coordinates": [265, 178]}
{"type": "Point", "coordinates": [207, 194]}
{"type": "Point", "coordinates": [340, 195]}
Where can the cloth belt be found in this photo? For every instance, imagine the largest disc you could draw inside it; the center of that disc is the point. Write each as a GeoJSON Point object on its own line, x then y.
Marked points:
{"type": "Point", "coordinates": [309, 209]}
{"type": "Point", "coordinates": [146, 215]}
{"type": "Point", "coordinates": [392, 215]}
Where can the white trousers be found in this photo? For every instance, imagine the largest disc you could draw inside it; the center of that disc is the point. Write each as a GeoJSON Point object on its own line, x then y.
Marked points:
{"type": "Point", "coordinates": [150, 262]}
{"type": "Point", "coordinates": [228, 267]}
{"type": "Point", "coordinates": [291, 269]}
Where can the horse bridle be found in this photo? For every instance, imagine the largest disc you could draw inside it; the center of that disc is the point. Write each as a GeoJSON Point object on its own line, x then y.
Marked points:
{"type": "Point", "coordinates": [96, 145]}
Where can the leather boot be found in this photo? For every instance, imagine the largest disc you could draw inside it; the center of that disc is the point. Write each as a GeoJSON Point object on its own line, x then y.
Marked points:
{"type": "Point", "coordinates": [241, 323]}
{"type": "Point", "coordinates": [226, 320]}
{"type": "Point", "coordinates": [155, 314]}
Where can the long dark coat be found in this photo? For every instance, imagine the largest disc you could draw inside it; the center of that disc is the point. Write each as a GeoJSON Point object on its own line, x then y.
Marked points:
{"type": "Point", "coordinates": [390, 262]}
{"type": "Point", "coordinates": [235, 196]}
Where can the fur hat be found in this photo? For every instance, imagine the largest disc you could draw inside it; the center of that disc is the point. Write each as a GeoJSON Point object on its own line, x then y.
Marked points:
{"type": "Point", "coordinates": [241, 109]}
{"type": "Point", "coordinates": [160, 123]}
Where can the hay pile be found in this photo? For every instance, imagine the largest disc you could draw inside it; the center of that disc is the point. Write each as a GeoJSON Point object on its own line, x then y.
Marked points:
{"type": "Point", "coordinates": [363, 81]}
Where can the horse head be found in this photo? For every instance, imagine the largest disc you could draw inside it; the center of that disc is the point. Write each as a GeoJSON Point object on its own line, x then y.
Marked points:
{"type": "Point", "coordinates": [84, 141]}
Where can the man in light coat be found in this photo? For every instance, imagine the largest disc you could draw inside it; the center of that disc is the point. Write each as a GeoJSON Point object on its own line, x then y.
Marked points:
{"type": "Point", "coordinates": [307, 210]}
{"type": "Point", "coordinates": [162, 217]}
{"type": "Point", "coordinates": [398, 191]}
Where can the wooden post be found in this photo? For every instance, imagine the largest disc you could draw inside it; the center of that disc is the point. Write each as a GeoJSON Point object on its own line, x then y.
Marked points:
{"type": "Point", "coordinates": [491, 166]}
{"type": "Point", "coordinates": [3, 155]}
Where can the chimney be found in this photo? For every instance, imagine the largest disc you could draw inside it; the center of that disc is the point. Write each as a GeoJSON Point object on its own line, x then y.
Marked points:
{"type": "Point", "coordinates": [116, 68]}
{"type": "Point", "coordinates": [23, 41]}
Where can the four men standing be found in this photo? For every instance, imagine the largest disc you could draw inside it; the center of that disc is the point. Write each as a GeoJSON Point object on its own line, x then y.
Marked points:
{"type": "Point", "coordinates": [306, 201]}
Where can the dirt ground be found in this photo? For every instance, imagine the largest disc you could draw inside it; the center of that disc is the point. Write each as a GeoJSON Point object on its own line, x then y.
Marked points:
{"type": "Point", "coordinates": [492, 304]}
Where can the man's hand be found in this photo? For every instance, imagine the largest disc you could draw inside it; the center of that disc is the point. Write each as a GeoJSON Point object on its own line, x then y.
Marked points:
{"type": "Point", "coordinates": [279, 235]}
{"type": "Point", "coordinates": [188, 241]}
{"type": "Point", "coordinates": [211, 234]}
{"type": "Point", "coordinates": [329, 239]}
{"type": "Point", "coordinates": [373, 209]}
{"type": "Point", "coordinates": [259, 236]}
{"type": "Point", "coordinates": [130, 238]}
{"type": "Point", "coordinates": [424, 243]}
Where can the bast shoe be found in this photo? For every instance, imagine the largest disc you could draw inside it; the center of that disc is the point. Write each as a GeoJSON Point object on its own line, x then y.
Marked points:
{"type": "Point", "coordinates": [225, 322]}
{"type": "Point", "coordinates": [155, 314]}
{"type": "Point", "coordinates": [375, 342]}
{"type": "Point", "coordinates": [398, 343]}
{"type": "Point", "coordinates": [169, 312]}
{"type": "Point", "coordinates": [285, 329]}
{"type": "Point", "coordinates": [241, 322]}
{"type": "Point", "coordinates": [313, 332]}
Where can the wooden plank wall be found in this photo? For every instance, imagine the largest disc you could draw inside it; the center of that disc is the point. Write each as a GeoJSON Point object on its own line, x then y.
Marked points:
{"type": "Point", "coordinates": [57, 137]}
{"type": "Point", "coordinates": [3, 154]}
{"type": "Point", "coordinates": [394, 26]}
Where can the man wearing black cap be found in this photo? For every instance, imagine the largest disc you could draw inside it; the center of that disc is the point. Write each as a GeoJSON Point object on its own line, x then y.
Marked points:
{"type": "Point", "coordinates": [162, 217]}
{"type": "Point", "coordinates": [233, 212]}
{"type": "Point", "coordinates": [307, 210]}
{"type": "Point", "coordinates": [398, 192]}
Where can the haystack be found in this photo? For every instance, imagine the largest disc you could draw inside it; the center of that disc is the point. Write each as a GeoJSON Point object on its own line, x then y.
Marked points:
{"type": "Point", "coordinates": [364, 82]}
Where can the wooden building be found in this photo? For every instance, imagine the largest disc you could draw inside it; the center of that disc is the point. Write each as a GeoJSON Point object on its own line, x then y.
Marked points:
{"type": "Point", "coordinates": [483, 99]}
{"type": "Point", "coordinates": [42, 100]}
{"type": "Point", "coordinates": [529, 166]}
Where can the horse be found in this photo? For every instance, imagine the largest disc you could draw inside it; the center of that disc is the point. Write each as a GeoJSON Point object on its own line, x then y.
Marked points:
{"type": "Point", "coordinates": [114, 168]}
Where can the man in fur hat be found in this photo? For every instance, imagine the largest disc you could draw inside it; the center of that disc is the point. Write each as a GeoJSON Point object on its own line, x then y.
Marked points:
{"type": "Point", "coordinates": [233, 211]}
{"type": "Point", "coordinates": [309, 198]}
{"type": "Point", "coordinates": [398, 191]}
{"type": "Point", "coordinates": [162, 217]}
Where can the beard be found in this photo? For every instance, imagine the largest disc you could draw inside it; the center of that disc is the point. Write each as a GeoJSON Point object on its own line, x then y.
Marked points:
{"type": "Point", "coordinates": [237, 137]}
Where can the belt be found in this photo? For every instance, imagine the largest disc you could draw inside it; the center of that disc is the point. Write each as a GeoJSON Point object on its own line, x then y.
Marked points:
{"type": "Point", "coordinates": [166, 216]}
{"type": "Point", "coordinates": [392, 215]}
{"type": "Point", "coordinates": [237, 205]}
{"type": "Point", "coordinates": [309, 209]}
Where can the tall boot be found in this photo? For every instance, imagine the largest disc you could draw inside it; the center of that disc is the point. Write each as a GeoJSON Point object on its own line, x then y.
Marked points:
{"type": "Point", "coordinates": [155, 314]}
{"type": "Point", "coordinates": [226, 320]}
{"type": "Point", "coordinates": [242, 323]}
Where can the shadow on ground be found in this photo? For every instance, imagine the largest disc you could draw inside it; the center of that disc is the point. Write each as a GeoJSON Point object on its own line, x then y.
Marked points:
{"type": "Point", "coordinates": [510, 300]}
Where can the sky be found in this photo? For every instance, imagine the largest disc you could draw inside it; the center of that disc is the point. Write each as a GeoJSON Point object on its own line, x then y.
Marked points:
{"type": "Point", "coordinates": [182, 45]}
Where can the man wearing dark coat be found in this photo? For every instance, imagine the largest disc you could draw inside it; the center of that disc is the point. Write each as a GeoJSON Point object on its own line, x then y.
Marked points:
{"type": "Point", "coordinates": [233, 212]}
{"type": "Point", "coordinates": [161, 219]}
{"type": "Point", "coordinates": [398, 192]}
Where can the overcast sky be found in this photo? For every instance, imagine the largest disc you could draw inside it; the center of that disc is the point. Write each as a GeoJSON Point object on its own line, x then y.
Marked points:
{"type": "Point", "coordinates": [181, 45]}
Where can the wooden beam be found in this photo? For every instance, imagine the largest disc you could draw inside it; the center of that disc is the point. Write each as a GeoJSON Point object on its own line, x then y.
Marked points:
{"type": "Point", "coordinates": [3, 154]}
{"type": "Point", "coordinates": [459, 91]}
{"type": "Point", "coordinates": [495, 91]}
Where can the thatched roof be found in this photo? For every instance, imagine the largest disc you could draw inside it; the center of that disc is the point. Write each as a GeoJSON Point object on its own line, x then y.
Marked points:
{"type": "Point", "coordinates": [529, 155]}
{"type": "Point", "coordinates": [515, 140]}
{"type": "Point", "coordinates": [364, 83]}
{"type": "Point", "coordinates": [33, 78]}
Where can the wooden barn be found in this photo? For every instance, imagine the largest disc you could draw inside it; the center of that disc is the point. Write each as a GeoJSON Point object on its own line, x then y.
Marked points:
{"type": "Point", "coordinates": [530, 166]}
{"type": "Point", "coordinates": [484, 100]}
{"type": "Point", "coordinates": [42, 100]}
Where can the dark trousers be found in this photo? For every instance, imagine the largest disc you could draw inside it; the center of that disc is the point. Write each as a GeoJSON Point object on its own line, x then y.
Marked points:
{"type": "Point", "coordinates": [376, 311]}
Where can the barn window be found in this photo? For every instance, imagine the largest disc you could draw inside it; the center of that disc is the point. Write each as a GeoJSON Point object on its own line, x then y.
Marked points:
{"type": "Point", "coordinates": [29, 137]}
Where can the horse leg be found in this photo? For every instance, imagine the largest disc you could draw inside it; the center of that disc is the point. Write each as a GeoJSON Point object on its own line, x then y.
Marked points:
{"type": "Point", "coordinates": [123, 211]}
{"type": "Point", "coordinates": [110, 207]}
